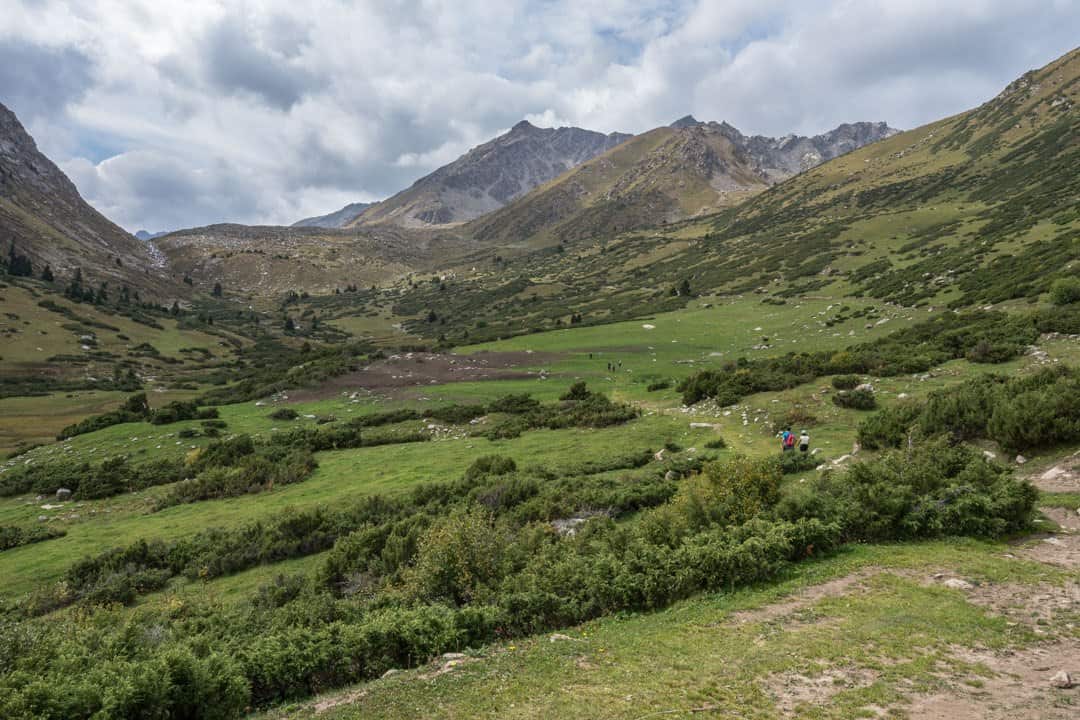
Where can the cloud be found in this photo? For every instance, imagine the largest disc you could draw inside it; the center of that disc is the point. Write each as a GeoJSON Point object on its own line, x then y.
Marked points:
{"type": "Point", "coordinates": [38, 81]}
{"type": "Point", "coordinates": [180, 114]}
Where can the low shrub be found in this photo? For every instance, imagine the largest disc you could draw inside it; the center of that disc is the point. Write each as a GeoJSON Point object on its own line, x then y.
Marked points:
{"type": "Point", "coordinates": [12, 536]}
{"type": "Point", "coordinates": [845, 382]}
{"type": "Point", "coordinates": [1065, 291]}
{"type": "Point", "coordinates": [283, 414]}
{"type": "Point", "coordinates": [855, 399]}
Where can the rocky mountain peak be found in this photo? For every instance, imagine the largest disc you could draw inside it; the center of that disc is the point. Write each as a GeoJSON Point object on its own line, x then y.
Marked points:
{"type": "Point", "coordinates": [684, 122]}
{"type": "Point", "coordinates": [491, 175]}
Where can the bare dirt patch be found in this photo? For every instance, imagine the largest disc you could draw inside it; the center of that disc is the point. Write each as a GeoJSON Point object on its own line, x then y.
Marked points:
{"type": "Point", "coordinates": [330, 703]}
{"type": "Point", "coordinates": [1062, 477]}
{"type": "Point", "coordinates": [804, 598]}
{"type": "Point", "coordinates": [1061, 549]}
{"type": "Point", "coordinates": [792, 691]}
{"type": "Point", "coordinates": [1036, 605]}
{"type": "Point", "coordinates": [408, 370]}
{"type": "Point", "coordinates": [1018, 689]}
{"type": "Point", "coordinates": [1065, 518]}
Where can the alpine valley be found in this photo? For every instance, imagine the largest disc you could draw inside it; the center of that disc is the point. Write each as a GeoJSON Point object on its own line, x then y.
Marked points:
{"type": "Point", "coordinates": [507, 443]}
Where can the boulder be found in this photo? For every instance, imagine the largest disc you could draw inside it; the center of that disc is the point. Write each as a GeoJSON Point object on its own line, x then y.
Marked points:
{"type": "Point", "coordinates": [671, 475]}
{"type": "Point", "coordinates": [866, 387]}
{"type": "Point", "coordinates": [1062, 680]}
{"type": "Point", "coordinates": [390, 673]}
{"type": "Point", "coordinates": [63, 494]}
{"type": "Point", "coordinates": [559, 637]}
{"type": "Point", "coordinates": [957, 584]}
{"type": "Point", "coordinates": [1020, 459]}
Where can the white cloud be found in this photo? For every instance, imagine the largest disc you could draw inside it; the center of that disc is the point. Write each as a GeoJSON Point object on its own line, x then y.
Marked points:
{"type": "Point", "coordinates": [178, 114]}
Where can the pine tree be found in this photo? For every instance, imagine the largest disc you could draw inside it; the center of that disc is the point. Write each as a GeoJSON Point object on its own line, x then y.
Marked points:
{"type": "Point", "coordinates": [217, 290]}
{"type": "Point", "coordinates": [47, 274]}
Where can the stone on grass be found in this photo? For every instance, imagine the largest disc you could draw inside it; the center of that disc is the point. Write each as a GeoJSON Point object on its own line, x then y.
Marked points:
{"type": "Point", "coordinates": [559, 637]}
{"type": "Point", "coordinates": [63, 494]}
{"type": "Point", "coordinates": [671, 475]}
{"type": "Point", "coordinates": [1020, 459]}
{"type": "Point", "coordinates": [390, 673]}
{"type": "Point", "coordinates": [957, 584]}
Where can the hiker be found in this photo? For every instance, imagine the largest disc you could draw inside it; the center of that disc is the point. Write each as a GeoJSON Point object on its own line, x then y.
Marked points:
{"type": "Point", "coordinates": [804, 441]}
{"type": "Point", "coordinates": [787, 440]}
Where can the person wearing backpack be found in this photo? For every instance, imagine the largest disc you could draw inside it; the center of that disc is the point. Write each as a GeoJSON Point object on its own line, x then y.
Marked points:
{"type": "Point", "coordinates": [787, 440]}
{"type": "Point", "coordinates": [804, 441]}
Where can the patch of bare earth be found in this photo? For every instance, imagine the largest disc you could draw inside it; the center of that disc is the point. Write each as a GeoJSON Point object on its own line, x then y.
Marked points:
{"type": "Point", "coordinates": [396, 373]}
{"type": "Point", "coordinates": [795, 691]}
{"type": "Point", "coordinates": [1065, 518]}
{"type": "Point", "coordinates": [334, 701]}
{"type": "Point", "coordinates": [803, 599]}
{"type": "Point", "coordinates": [1018, 687]}
{"type": "Point", "coordinates": [1063, 477]}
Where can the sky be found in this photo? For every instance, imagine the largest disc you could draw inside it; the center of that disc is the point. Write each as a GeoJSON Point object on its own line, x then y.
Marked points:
{"type": "Point", "coordinates": [179, 114]}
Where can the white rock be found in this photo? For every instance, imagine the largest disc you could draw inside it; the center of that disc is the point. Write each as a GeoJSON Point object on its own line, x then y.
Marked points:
{"type": "Point", "coordinates": [1062, 680]}
{"type": "Point", "coordinates": [559, 637]}
{"type": "Point", "coordinates": [1020, 459]}
{"type": "Point", "coordinates": [957, 584]}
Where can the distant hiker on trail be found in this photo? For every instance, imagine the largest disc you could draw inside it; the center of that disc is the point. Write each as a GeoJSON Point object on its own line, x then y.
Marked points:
{"type": "Point", "coordinates": [787, 440]}
{"type": "Point", "coordinates": [804, 441]}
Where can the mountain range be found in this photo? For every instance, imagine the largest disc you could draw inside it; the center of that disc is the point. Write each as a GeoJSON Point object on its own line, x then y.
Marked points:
{"type": "Point", "coordinates": [490, 176]}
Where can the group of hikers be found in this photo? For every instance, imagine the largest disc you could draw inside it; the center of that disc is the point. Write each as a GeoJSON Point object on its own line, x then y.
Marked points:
{"type": "Point", "coordinates": [788, 440]}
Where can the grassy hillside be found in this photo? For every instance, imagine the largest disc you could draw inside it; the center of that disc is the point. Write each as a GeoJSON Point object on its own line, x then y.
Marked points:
{"type": "Point", "coordinates": [975, 209]}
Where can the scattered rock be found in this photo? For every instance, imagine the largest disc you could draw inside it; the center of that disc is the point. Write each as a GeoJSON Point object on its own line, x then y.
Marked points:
{"type": "Point", "coordinates": [63, 494]}
{"type": "Point", "coordinates": [559, 637]}
{"type": "Point", "coordinates": [957, 584]}
{"type": "Point", "coordinates": [1020, 459]}
{"type": "Point", "coordinates": [390, 673]}
{"type": "Point", "coordinates": [671, 475]}
{"type": "Point", "coordinates": [989, 455]}
{"type": "Point", "coordinates": [1062, 680]}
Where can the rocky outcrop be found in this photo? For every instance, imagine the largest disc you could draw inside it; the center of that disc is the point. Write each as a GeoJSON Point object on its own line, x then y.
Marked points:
{"type": "Point", "coordinates": [42, 213]}
{"type": "Point", "coordinates": [491, 175]}
{"type": "Point", "coordinates": [338, 219]}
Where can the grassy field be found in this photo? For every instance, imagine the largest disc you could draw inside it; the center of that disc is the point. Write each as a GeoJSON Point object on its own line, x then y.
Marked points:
{"type": "Point", "coordinates": [854, 635]}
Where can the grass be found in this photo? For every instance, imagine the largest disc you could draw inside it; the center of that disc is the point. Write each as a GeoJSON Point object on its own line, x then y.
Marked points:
{"type": "Point", "coordinates": [888, 636]}
{"type": "Point", "coordinates": [346, 474]}
{"type": "Point", "coordinates": [342, 476]}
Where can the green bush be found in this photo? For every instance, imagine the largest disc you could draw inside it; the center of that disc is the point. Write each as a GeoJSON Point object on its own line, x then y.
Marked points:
{"type": "Point", "coordinates": [12, 536]}
{"type": "Point", "coordinates": [134, 409]}
{"type": "Point", "coordinates": [845, 382]}
{"type": "Point", "coordinates": [283, 414]}
{"type": "Point", "coordinates": [855, 399]}
{"type": "Point", "coordinates": [490, 465]}
{"type": "Point", "coordinates": [458, 558]}
{"type": "Point", "coordinates": [890, 427]}
{"type": "Point", "coordinates": [1065, 291]}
